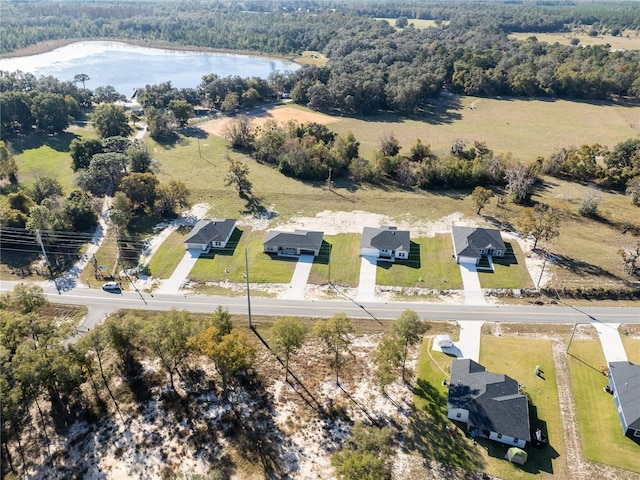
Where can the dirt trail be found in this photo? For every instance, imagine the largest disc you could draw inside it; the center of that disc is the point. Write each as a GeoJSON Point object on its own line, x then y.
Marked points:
{"type": "Point", "coordinates": [578, 467]}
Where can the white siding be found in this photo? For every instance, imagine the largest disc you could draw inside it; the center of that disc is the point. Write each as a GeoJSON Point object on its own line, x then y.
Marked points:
{"type": "Point", "coordinates": [506, 439]}
{"type": "Point", "coordinates": [463, 414]}
{"type": "Point", "coordinates": [196, 246]}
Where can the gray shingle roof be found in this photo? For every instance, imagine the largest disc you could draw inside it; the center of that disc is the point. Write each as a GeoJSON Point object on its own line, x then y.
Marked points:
{"type": "Point", "coordinates": [385, 238]}
{"type": "Point", "coordinates": [468, 241]}
{"type": "Point", "coordinates": [626, 382]}
{"type": "Point", "coordinates": [206, 231]}
{"type": "Point", "coordinates": [303, 239]}
{"type": "Point", "coordinates": [493, 400]}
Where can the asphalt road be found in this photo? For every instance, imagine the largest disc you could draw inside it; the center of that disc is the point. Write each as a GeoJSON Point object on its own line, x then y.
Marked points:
{"type": "Point", "coordinates": [101, 303]}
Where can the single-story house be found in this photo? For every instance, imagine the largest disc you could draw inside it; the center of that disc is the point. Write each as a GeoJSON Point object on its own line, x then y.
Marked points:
{"type": "Point", "coordinates": [470, 244]}
{"type": "Point", "coordinates": [386, 242]}
{"type": "Point", "coordinates": [489, 403]}
{"type": "Point", "coordinates": [210, 234]}
{"type": "Point", "coordinates": [294, 243]}
{"type": "Point", "coordinates": [624, 379]}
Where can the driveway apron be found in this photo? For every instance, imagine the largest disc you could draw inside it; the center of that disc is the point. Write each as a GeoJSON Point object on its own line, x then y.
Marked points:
{"type": "Point", "coordinates": [469, 343]}
{"type": "Point", "coordinates": [367, 285]}
{"type": "Point", "coordinates": [611, 342]}
{"type": "Point", "coordinates": [472, 291]}
{"type": "Point", "coordinates": [179, 275]}
{"type": "Point", "coordinates": [300, 278]}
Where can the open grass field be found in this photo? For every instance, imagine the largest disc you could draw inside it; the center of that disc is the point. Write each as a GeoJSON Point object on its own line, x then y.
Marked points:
{"type": "Point", "coordinates": [40, 155]}
{"type": "Point", "coordinates": [429, 260]}
{"type": "Point", "coordinates": [628, 41]}
{"type": "Point", "coordinates": [526, 128]}
{"type": "Point", "coordinates": [631, 347]}
{"type": "Point", "coordinates": [311, 57]}
{"type": "Point", "coordinates": [586, 250]}
{"type": "Point", "coordinates": [600, 430]}
{"type": "Point", "coordinates": [427, 435]}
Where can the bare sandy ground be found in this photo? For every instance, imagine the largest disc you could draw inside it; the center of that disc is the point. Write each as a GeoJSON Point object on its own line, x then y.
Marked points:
{"type": "Point", "coordinates": [280, 115]}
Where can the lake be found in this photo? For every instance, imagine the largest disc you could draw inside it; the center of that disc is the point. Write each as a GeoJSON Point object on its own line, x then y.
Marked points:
{"type": "Point", "coordinates": [127, 67]}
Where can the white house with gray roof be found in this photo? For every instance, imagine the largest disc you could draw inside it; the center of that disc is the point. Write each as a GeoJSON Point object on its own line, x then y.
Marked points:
{"type": "Point", "coordinates": [207, 234]}
{"type": "Point", "coordinates": [624, 379]}
{"type": "Point", "coordinates": [298, 242]}
{"type": "Point", "coordinates": [387, 243]}
{"type": "Point", "coordinates": [489, 403]}
{"type": "Point", "coordinates": [470, 244]}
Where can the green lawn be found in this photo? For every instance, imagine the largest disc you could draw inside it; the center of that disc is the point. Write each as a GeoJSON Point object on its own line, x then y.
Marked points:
{"type": "Point", "coordinates": [600, 430]}
{"type": "Point", "coordinates": [509, 272]}
{"type": "Point", "coordinates": [339, 261]}
{"type": "Point", "coordinates": [518, 358]}
{"type": "Point", "coordinates": [105, 256]}
{"type": "Point", "coordinates": [168, 255]}
{"type": "Point", "coordinates": [429, 260]}
{"type": "Point", "coordinates": [39, 155]}
{"type": "Point", "coordinates": [631, 347]}
{"type": "Point", "coordinates": [427, 435]}
{"type": "Point", "coordinates": [263, 268]}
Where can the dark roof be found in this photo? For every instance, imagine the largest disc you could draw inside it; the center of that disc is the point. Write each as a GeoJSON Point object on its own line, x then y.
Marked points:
{"type": "Point", "coordinates": [385, 238]}
{"type": "Point", "coordinates": [493, 400]}
{"type": "Point", "coordinates": [626, 382]}
{"type": "Point", "coordinates": [468, 241]}
{"type": "Point", "coordinates": [206, 231]}
{"type": "Point", "coordinates": [303, 239]}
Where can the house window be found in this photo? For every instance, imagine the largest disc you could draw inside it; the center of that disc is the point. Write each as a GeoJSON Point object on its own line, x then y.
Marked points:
{"type": "Point", "coordinates": [458, 415]}
{"type": "Point", "coordinates": [515, 440]}
{"type": "Point", "coordinates": [499, 435]}
{"type": "Point", "coordinates": [636, 433]}
{"type": "Point", "coordinates": [620, 409]}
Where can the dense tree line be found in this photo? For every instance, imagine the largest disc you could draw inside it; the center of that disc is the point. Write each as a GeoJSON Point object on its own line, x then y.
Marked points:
{"type": "Point", "coordinates": [45, 103]}
{"type": "Point", "coordinates": [616, 169]}
{"type": "Point", "coordinates": [372, 66]}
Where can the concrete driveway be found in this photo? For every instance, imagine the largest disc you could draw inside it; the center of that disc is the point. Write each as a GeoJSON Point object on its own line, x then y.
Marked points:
{"type": "Point", "coordinates": [174, 283]}
{"type": "Point", "coordinates": [300, 278]}
{"type": "Point", "coordinates": [472, 291]}
{"type": "Point", "coordinates": [367, 284]}
{"type": "Point", "coordinates": [611, 342]}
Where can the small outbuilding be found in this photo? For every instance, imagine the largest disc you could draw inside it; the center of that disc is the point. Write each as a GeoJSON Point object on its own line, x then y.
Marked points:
{"type": "Point", "coordinates": [444, 341]}
{"type": "Point", "coordinates": [517, 455]}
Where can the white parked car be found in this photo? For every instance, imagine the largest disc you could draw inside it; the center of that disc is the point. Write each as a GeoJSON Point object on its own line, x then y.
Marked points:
{"type": "Point", "coordinates": [111, 286]}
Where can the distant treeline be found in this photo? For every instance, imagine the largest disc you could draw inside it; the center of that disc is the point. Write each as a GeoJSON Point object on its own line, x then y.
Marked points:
{"type": "Point", "coordinates": [372, 66]}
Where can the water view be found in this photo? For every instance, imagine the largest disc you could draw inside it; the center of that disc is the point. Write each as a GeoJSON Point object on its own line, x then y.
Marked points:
{"type": "Point", "coordinates": [127, 67]}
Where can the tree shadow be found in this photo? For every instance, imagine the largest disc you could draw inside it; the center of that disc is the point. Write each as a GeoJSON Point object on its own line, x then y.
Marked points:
{"type": "Point", "coordinates": [429, 433]}
{"type": "Point", "coordinates": [253, 205]}
{"type": "Point", "coordinates": [257, 437]}
{"type": "Point", "coordinates": [582, 268]}
{"type": "Point", "coordinates": [59, 142]}
{"type": "Point", "coordinates": [194, 132]}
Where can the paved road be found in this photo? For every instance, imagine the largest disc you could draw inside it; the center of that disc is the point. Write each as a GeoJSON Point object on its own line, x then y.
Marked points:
{"type": "Point", "coordinates": [104, 302]}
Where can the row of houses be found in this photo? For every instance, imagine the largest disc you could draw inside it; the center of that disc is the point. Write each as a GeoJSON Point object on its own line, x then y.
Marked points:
{"type": "Point", "coordinates": [388, 243]}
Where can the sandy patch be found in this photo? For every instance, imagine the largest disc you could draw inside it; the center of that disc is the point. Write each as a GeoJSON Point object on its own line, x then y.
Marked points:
{"type": "Point", "coordinates": [280, 115]}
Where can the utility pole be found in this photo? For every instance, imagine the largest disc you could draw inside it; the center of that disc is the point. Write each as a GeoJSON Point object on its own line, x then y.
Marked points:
{"type": "Point", "coordinates": [44, 252]}
{"type": "Point", "coordinates": [246, 266]}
